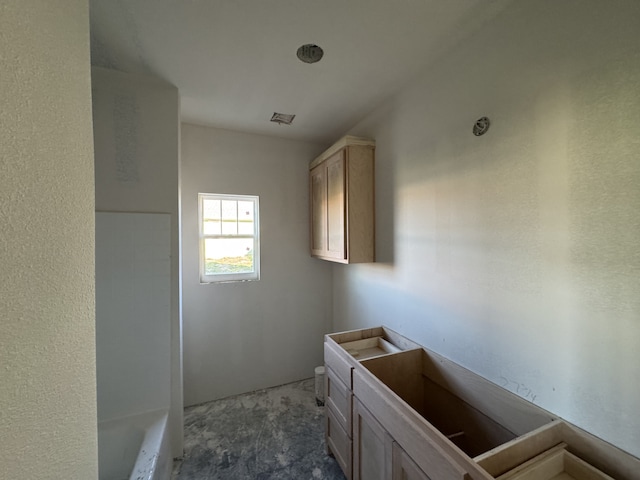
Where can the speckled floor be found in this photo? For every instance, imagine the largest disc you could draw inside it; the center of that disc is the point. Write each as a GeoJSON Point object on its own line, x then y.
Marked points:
{"type": "Point", "coordinates": [272, 434]}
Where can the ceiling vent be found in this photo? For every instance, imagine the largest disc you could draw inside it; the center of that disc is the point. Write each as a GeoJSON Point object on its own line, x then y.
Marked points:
{"type": "Point", "coordinates": [310, 53]}
{"type": "Point", "coordinates": [281, 118]}
{"type": "Point", "coordinates": [481, 126]}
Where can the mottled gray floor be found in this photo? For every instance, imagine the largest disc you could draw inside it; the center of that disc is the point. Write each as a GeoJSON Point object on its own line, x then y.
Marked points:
{"type": "Point", "coordinates": [272, 434]}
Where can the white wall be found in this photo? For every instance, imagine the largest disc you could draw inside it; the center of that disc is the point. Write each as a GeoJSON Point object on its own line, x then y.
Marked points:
{"type": "Point", "coordinates": [240, 337]}
{"type": "Point", "coordinates": [516, 253]}
{"type": "Point", "coordinates": [47, 347]}
{"type": "Point", "coordinates": [136, 135]}
{"type": "Point", "coordinates": [133, 313]}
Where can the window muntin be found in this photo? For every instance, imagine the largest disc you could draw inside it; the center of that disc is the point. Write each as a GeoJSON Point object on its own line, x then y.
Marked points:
{"type": "Point", "coordinates": [229, 237]}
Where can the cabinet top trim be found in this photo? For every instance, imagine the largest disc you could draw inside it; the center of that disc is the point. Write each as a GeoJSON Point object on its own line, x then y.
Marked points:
{"type": "Point", "coordinates": [346, 141]}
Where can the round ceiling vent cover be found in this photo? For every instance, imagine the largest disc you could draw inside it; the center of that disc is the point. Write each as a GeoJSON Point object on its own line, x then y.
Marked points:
{"type": "Point", "coordinates": [481, 126]}
{"type": "Point", "coordinates": [310, 53]}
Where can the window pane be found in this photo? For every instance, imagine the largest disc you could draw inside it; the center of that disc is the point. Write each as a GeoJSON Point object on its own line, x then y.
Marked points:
{"type": "Point", "coordinates": [229, 217]}
{"type": "Point", "coordinates": [245, 218]}
{"type": "Point", "coordinates": [224, 257]}
{"type": "Point", "coordinates": [228, 255]}
{"type": "Point", "coordinates": [211, 216]}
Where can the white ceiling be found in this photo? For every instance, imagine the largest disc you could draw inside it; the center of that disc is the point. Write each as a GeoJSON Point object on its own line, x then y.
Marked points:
{"type": "Point", "coordinates": [234, 61]}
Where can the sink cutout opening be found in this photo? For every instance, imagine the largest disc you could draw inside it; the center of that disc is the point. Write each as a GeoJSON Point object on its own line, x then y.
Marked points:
{"type": "Point", "coordinates": [469, 429]}
{"type": "Point", "coordinates": [409, 375]}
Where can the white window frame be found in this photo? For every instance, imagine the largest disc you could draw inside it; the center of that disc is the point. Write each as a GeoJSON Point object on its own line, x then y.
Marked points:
{"type": "Point", "coordinates": [229, 277]}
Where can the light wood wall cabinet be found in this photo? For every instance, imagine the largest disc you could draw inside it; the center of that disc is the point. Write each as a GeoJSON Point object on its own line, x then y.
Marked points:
{"type": "Point", "coordinates": [398, 411]}
{"type": "Point", "coordinates": [341, 191]}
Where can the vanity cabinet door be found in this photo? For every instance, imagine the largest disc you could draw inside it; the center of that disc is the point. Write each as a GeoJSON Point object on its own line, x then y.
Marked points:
{"type": "Point", "coordinates": [404, 468]}
{"type": "Point", "coordinates": [372, 446]}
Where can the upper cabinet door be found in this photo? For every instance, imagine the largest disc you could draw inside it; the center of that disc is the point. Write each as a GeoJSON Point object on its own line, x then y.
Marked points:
{"type": "Point", "coordinates": [336, 235]}
{"type": "Point", "coordinates": [318, 200]}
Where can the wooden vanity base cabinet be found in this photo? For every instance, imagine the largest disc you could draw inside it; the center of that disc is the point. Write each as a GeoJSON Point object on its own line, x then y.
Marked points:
{"type": "Point", "coordinates": [398, 411]}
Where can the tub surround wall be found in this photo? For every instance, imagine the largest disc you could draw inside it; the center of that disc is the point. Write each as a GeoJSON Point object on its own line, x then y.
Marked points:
{"type": "Point", "coordinates": [515, 254]}
{"type": "Point", "coordinates": [240, 337]}
{"type": "Point", "coordinates": [47, 334]}
{"type": "Point", "coordinates": [133, 311]}
{"type": "Point", "coordinates": [136, 132]}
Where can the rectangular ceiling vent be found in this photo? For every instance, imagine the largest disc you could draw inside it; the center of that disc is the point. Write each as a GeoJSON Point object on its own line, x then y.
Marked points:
{"type": "Point", "coordinates": [281, 118]}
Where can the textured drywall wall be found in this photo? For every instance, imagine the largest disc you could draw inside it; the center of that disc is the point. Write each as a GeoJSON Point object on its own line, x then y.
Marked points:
{"type": "Point", "coordinates": [136, 134]}
{"type": "Point", "coordinates": [516, 253]}
{"type": "Point", "coordinates": [244, 336]}
{"type": "Point", "coordinates": [47, 347]}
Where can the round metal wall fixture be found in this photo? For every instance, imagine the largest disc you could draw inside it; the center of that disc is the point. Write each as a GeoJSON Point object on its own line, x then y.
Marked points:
{"type": "Point", "coordinates": [310, 53]}
{"type": "Point", "coordinates": [481, 126]}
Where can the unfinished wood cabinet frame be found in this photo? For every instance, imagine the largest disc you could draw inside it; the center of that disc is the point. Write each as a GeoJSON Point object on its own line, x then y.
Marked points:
{"type": "Point", "coordinates": [338, 398]}
{"type": "Point", "coordinates": [342, 203]}
{"type": "Point", "coordinates": [404, 468]}
{"type": "Point", "coordinates": [338, 442]}
{"type": "Point", "coordinates": [400, 390]}
{"type": "Point", "coordinates": [428, 448]}
{"type": "Point", "coordinates": [372, 447]}
{"type": "Point", "coordinates": [339, 367]}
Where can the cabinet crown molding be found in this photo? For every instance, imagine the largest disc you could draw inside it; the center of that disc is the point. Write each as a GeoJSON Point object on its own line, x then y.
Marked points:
{"type": "Point", "coordinates": [346, 141]}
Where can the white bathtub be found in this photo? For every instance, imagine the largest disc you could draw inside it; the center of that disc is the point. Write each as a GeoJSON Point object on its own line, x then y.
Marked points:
{"type": "Point", "coordinates": [135, 448]}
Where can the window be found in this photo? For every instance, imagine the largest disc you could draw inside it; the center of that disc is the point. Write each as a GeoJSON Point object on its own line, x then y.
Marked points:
{"type": "Point", "coordinates": [229, 238]}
